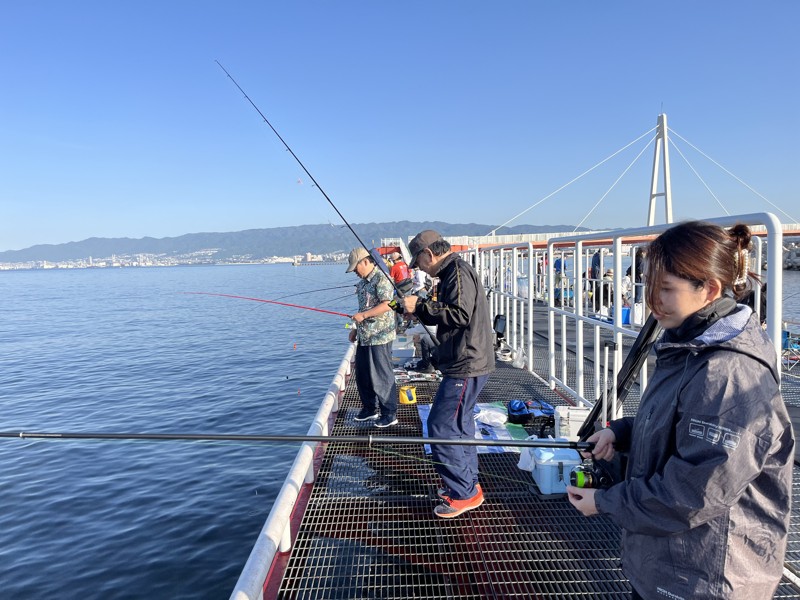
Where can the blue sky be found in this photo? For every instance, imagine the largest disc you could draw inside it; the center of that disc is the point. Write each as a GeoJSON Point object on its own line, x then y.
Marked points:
{"type": "Point", "coordinates": [116, 121]}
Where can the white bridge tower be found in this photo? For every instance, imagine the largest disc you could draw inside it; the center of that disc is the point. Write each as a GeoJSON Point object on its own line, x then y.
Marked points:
{"type": "Point", "coordinates": [662, 148]}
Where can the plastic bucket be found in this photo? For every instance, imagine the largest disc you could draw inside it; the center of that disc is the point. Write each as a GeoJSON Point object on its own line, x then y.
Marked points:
{"type": "Point", "coordinates": [408, 394]}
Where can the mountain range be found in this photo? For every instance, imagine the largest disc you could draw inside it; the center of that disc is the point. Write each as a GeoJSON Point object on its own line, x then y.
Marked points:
{"type": "Point", "coordinates": [260, 243]}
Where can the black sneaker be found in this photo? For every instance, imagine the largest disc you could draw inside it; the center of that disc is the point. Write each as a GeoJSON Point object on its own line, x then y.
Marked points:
{"type": "Point", "coordinates": [386, 422]}
{"type": "Point", "coordinates": [366, 415]}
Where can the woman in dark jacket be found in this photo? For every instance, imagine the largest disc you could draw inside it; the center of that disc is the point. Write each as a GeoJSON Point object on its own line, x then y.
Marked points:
{"type": "Point", "coordinates": [705, 504]}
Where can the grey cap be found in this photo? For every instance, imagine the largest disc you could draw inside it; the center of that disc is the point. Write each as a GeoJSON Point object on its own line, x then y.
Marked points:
{"type": "Point", "coordinates": [421, 241]}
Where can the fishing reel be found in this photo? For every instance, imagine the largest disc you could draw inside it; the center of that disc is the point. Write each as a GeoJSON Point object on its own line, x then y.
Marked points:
{"type": "Point", "coordinates": [396, 304]}
{"type": "Point", "coordinates": [590, 474]}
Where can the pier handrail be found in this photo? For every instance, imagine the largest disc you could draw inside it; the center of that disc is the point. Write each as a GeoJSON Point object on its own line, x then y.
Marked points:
{"type": "Point", "coordinates": [774, 258]}
{"type": "Point", "coordinates": [519, 275]}
{"type": "Point", "coordinates": [276, 535]}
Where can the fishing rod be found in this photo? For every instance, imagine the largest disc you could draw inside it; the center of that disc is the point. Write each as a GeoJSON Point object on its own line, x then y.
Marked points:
{"type": "Point", "coordinates": [317, 185]}
{"type": "Point", "coordinates": [601, 473]}
{"type": "Point", "coordinates": [299, 162]}
{"type": "Point", "coordinates": [345, 439]}
{"type": "Point", "coordinates": [322, 310]}
{"type": "Point", "coordinates": [627, 373]}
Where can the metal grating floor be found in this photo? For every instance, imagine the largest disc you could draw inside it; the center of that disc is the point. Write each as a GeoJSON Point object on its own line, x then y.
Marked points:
{"type": "Point", "coordinates": [369, 530]}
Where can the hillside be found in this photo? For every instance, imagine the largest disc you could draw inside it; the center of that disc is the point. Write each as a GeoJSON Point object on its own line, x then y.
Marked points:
{"type": "Point", "coordinates": [257, 243]}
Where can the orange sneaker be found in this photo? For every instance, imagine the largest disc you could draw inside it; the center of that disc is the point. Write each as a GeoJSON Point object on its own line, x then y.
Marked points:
{"type": "Point", "coordinates": [450, 507]}
{"type": "Point", "coordinates": [442, 491]}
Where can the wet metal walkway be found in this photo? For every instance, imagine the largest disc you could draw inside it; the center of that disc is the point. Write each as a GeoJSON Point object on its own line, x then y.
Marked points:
{"type": "Point", "coordinates": [368, 530]}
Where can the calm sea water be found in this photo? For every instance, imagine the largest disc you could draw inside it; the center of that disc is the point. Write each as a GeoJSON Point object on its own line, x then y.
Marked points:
{"type": "Point", "coordinates": [129, 351]}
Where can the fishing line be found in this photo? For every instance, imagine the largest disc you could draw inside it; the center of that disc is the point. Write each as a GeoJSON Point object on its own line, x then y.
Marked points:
{"type": "Point", "coordinates": [338, 287]}
{"type": "Point", "coordinates": [335, 300]}
{"type": "Point", "coordinates": [317, 185]}
{"type": "Point", "coordinates": [430, 461]}
{"type": "Point", "coordinates": [295, 276]}
{"type": "Point", "coordinates": [792, 296]}
{"type": "Point", "coordinates": [329, 312]}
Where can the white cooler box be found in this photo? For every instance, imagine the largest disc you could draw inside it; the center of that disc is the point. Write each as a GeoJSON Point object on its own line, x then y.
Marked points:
{"type": "Point", "coordinates": [569, 419]}
{"type": "Point", "coordinates": [552, 467]}
{"type": "Point", "coordinates": [402, 348]}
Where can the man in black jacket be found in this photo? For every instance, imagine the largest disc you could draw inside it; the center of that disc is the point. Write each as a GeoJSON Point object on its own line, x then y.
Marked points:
{"type": "Point", "coordinates": [465, 356]}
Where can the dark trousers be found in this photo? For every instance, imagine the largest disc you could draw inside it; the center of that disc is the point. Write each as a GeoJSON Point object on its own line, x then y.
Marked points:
{"type": "Point", "coordinates": [452, 417]}
{"type": "Point", "coordinates": [428, 351]}
{"type": "Point", "coordinates": [375, 379]}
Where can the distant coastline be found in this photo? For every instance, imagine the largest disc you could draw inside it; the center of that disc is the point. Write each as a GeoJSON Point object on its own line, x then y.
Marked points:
{"type": "Point", "coordinates": [312, 244]}
{"type": "Point", "coordinates": [145, 261]}
{"type": "Point", "coordinates": [312, 263]}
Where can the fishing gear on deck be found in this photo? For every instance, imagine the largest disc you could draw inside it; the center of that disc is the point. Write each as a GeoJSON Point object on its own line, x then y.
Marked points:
{"type": "Point", "coordinates": [316, 184]}
{"type": "Point", "coordinates": [351, 439]}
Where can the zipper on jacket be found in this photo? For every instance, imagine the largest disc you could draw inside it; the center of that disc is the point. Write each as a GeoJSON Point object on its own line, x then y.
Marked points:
{"type": "Point", "coordinates": [640, 445]}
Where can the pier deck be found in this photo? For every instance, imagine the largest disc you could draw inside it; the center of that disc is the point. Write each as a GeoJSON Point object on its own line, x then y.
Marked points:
{"type": "Point", "coordinates": [368, 530]}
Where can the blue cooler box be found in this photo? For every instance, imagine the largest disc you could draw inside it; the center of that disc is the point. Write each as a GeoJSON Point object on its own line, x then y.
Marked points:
{"type": "Point", "coordinates": [552, 467]}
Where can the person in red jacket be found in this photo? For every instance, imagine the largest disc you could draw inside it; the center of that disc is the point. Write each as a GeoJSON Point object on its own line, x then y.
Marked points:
{"type": "Point", "coordinates": [399, 269]}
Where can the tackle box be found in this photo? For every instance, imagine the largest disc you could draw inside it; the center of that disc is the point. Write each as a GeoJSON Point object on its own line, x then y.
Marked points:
{"type": "Point", "coordinates": [552, 467]}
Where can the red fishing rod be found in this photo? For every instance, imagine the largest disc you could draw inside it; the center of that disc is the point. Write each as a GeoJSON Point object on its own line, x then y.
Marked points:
{"type": "Point", "coordinates": [322, 310]}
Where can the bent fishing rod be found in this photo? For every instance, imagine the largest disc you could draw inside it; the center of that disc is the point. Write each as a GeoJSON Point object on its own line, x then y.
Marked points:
{"type": "Point", "coordinates": [316, 184]}
{"type": "Point", "coordinates": [368, 440]}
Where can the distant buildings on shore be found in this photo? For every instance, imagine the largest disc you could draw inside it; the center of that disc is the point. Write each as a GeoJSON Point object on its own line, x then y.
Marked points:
{"type": "Point", "coordinates": [200, 257]}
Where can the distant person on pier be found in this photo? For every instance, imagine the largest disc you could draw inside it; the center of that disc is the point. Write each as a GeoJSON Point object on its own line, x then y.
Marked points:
{"type": "Point", "coordinates": [705, 503]}
{"type": "Point", "coordinates": [375, 332]}
{"type": "Point", "coordinates": [400, 273]}
{"type": "Point", "coordinates": [596, 274]}
{"type": "Point", "coordinates": [637, 275]}
{"type": "Point", "coordinates": [607, 292]}
{"type": "Point", "coordinates": [560, 293]}
{"type": "Point", "coordinates": [465, 356]}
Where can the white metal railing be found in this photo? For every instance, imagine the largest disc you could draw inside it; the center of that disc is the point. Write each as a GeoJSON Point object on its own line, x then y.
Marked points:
{"type": "Point", "coordinates": [592, 304]}
{"type": "Point", "coordinates": [276, 535]}
{"type": "Point", "coordinates": [518, 277]}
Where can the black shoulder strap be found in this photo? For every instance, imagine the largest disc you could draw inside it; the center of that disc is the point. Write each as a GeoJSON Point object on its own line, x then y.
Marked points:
{"type": "Point", "coordinates": [627, 373]}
